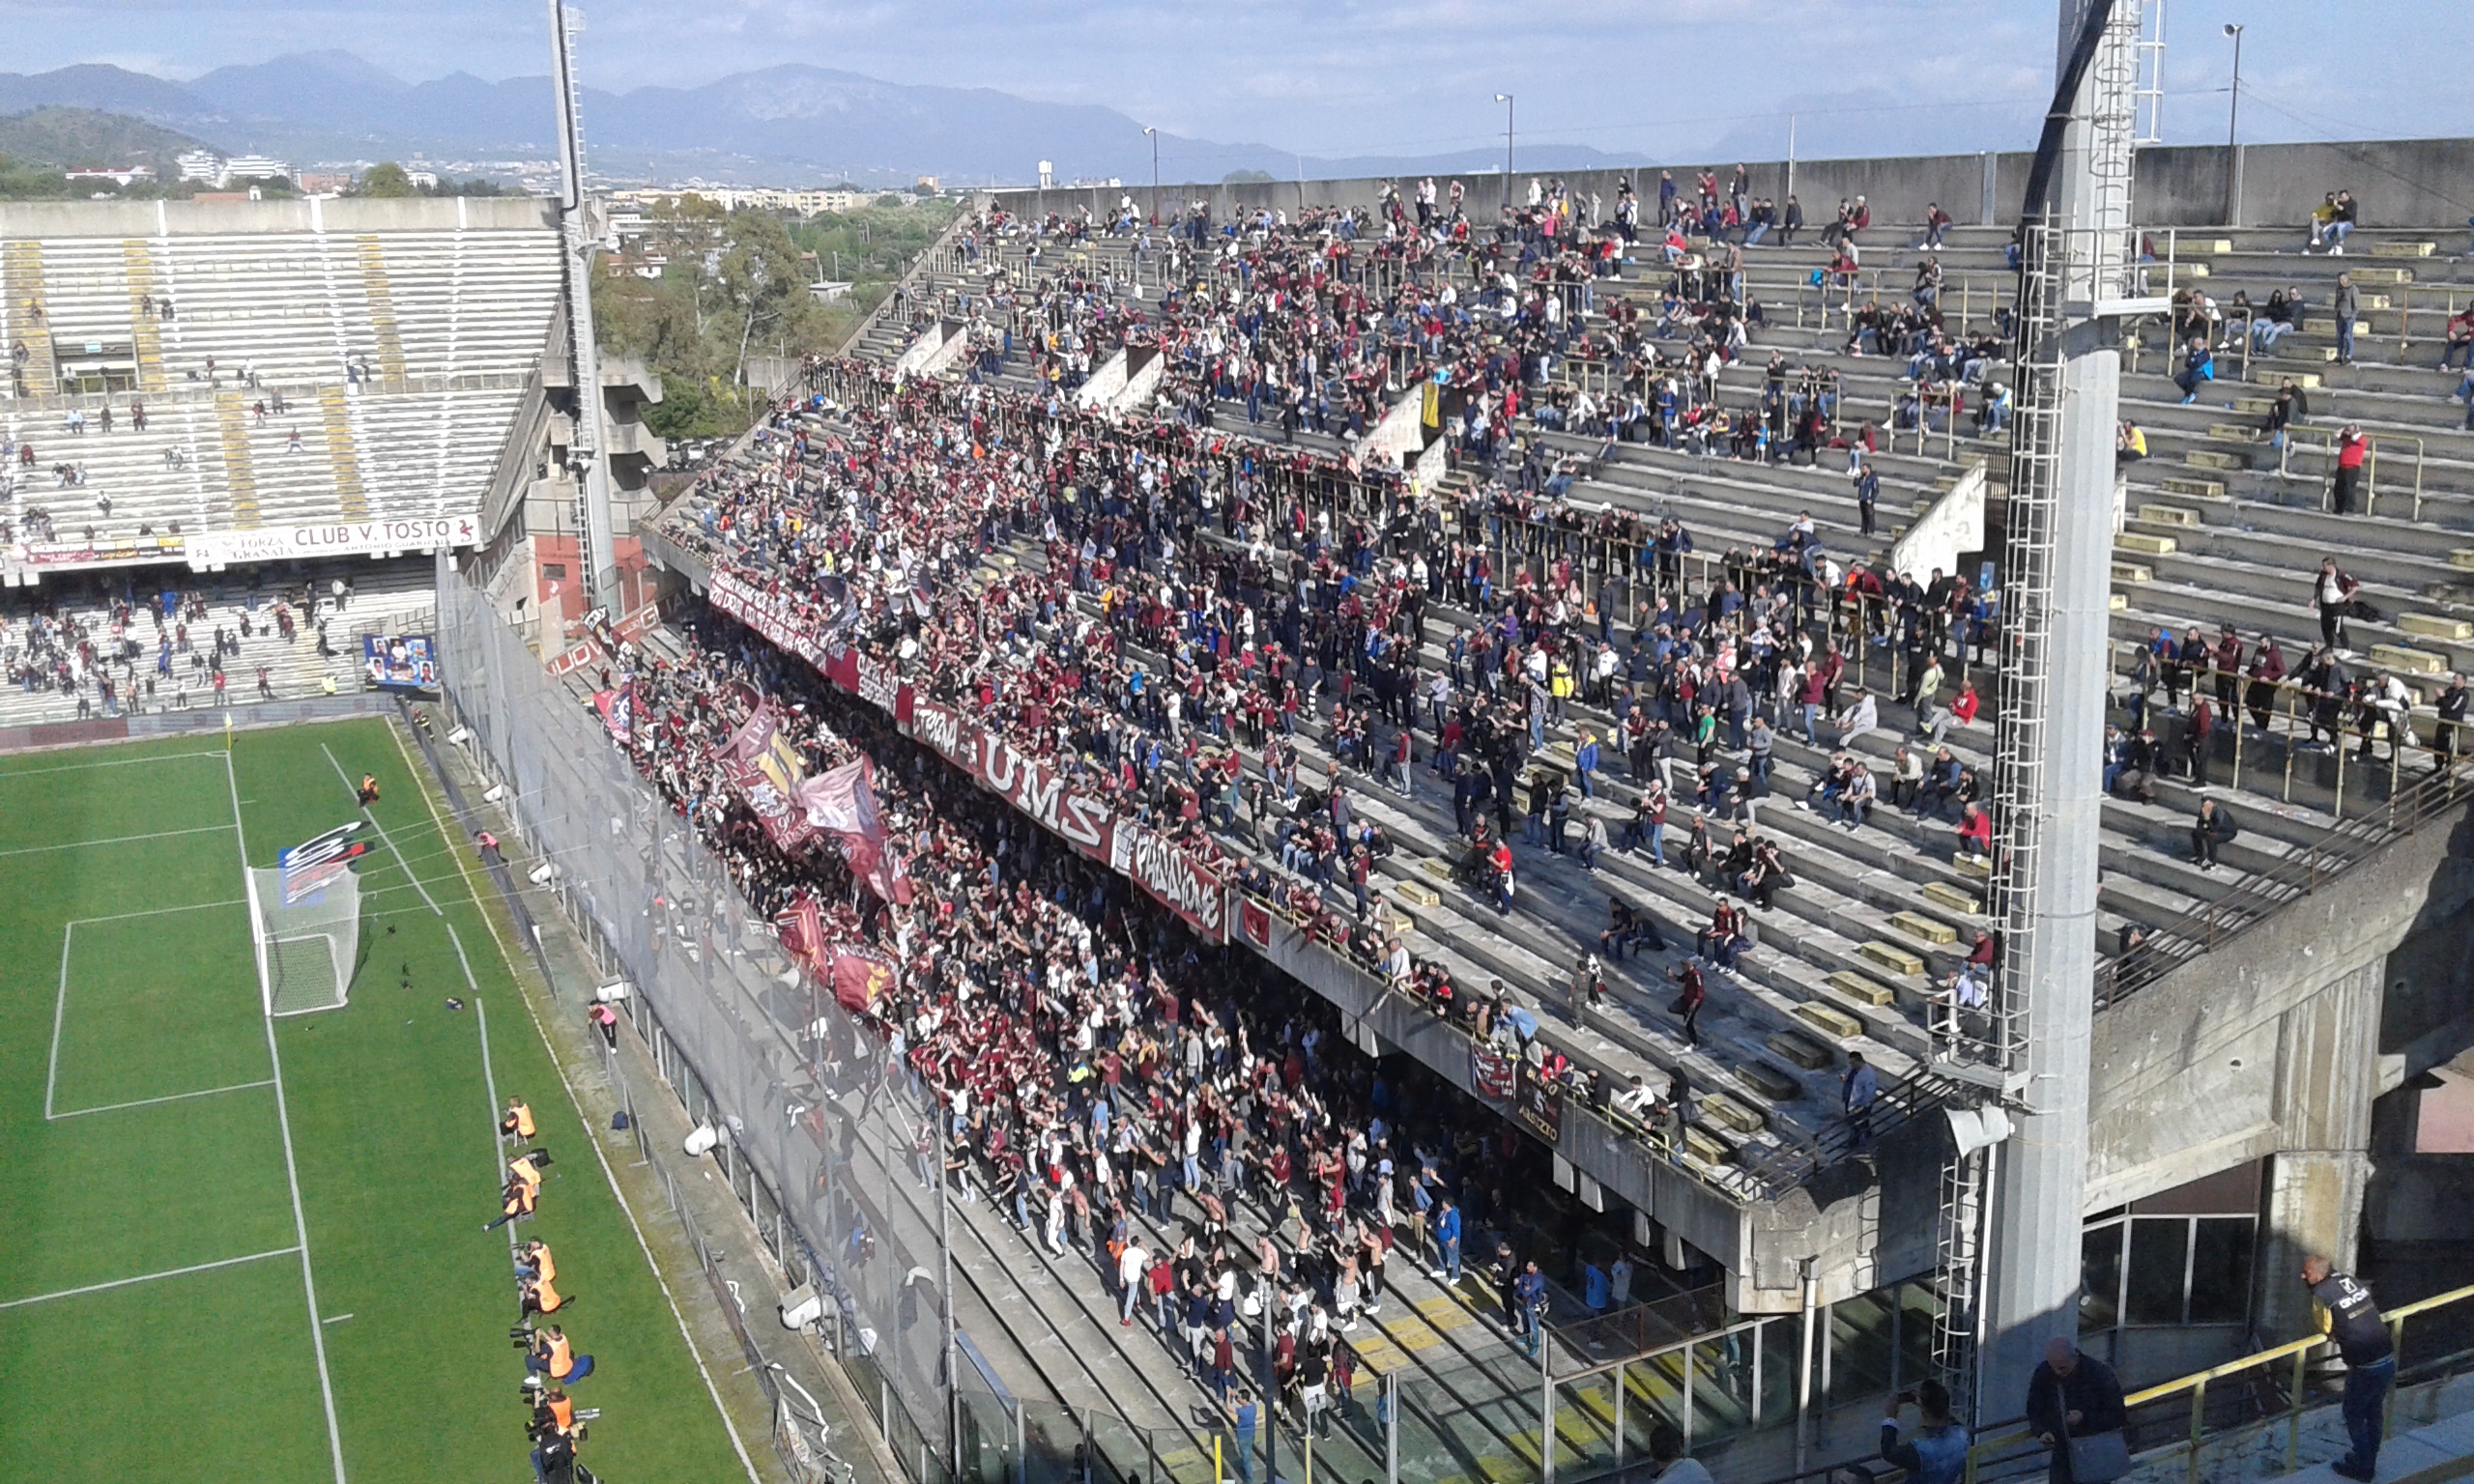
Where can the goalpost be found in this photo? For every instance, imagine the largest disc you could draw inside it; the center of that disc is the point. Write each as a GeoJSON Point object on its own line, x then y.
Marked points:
{"type": "Point", "coordinates": [305, 948]}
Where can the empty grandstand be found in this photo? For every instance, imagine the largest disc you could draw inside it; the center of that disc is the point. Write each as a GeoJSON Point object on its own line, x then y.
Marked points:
{"type": "Point", "coordinates": [216, 409]}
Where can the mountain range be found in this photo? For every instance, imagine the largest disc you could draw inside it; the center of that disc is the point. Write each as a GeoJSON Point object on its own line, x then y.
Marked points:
{"type": "Point", "coordinates": [790, 124]}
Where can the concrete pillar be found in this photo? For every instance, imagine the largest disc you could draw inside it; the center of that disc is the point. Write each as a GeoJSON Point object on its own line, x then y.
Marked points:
{"type": "Point", "coordinates": [2040, 1192]}
{"type": "Point", "coordinates": [2327, 1079]}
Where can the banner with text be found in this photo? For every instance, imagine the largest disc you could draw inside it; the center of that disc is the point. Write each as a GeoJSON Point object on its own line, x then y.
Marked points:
{"type": "Point", "coordinates": [348, 539]}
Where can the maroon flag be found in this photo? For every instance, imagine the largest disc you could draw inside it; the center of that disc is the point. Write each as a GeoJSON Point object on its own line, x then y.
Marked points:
{"type": "Point", "coordinates": [860, 981]}
{"type": "Point", "coordinates": [802, 930]}
{"type": "Point", "coordinates": [762, 765]}
{"type": "Point", "coordinates": [891, 880]}
{"type": "Point", "coordinates": [843, 804]}
{"type": "Point", "coordinates": [1256, 920]}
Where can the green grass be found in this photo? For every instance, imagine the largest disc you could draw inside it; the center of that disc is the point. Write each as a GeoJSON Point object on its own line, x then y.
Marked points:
{"type": "Point", "coordinates": [215, 1374]}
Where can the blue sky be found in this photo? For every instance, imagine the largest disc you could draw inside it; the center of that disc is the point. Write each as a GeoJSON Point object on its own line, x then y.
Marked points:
{"type": "Point", "coordinates": [1336, 77]}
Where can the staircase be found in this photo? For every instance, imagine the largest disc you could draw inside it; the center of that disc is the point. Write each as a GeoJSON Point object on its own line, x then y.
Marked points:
{"type": "Point", "coordinates": [343, 450]}
{"type": "Point", "coordinates": [145, 336]}
{"type": "Point", "coordinates": [382, 314]}
{"type": "Point", "coordinates": [239, 470]}
{"type": "Point", "coordinates": [21, 287]}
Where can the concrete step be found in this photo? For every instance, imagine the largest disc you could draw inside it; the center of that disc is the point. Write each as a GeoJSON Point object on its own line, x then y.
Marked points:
{"type": "Point", "coordinates": [2436, 626]}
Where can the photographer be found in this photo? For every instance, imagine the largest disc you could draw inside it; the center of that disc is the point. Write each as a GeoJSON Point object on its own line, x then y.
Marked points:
{"type": "Point", "coordinates": [550, 1354]}
{"type": "Point", "coordinates": [1938, 1453]}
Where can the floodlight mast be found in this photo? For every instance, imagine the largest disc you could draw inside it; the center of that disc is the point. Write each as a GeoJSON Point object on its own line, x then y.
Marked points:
{"type": "Point", "coordinates": [2078, 283]}
{"type": "Point", "coordinates": [584, 354]}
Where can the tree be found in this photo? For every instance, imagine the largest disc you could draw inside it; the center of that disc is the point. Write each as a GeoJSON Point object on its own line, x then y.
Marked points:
{"type": "Point", "coordinates": [1246, 178]}
{"type": "Point", "coordinates": [387, 181]}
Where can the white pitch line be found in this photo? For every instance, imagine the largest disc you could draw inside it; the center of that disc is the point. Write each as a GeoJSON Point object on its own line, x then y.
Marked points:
{"type": "Point", "coordinates": [490, 1085]}
{"type": "Point", "coordinates": [384, 837]}
{"type": "Point", "coordinates": [148, 1102]}
{"type": "Point", "coordinates": [471, 983]}
{"type": "Point", "coordinates": [114, 762]}
{"type": "Point", "coordinates": [195, 906]}
{"type": "Point", "coordinates": [59, 1014]}
{"type": "Point", "coordinates": [116, 840]}
{"type": "Point", "coordinates": [148, 1277]}
{"type": "Point", "coordinates": [292, 1170]}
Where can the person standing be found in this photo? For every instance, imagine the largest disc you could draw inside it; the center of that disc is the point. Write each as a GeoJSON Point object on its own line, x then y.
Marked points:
{"type": "Point", "coordinates": [2451, 709]}
{"type": "Point", "coordinates": [2349, 301]}
{"type": "Point", "coordinates": [1858, 1090]}
{"type": "Point", "coordinates": [2330, 592]}
{"type": "Point", "coordinates": [2072, 1396]}
{"type": "Point", "coordinates": [1938, 1451]}
{"type": "Point", "coordinates": [1446, 1241]}
{"type": "Point", "coordinates": [2349, 1317]}
{"type": "Point", "coordinates": [1687, 1004]}
{"type": "Point", "coordinates": [1133, 1269]}
{"type": "Point", "coordinates": [1529, 1299]}
{"type": "Point", "coordinates": [1666, 1450]}
{"type": "Point", "coordinates": [1244, 1417]}
{"type": "Point", "coordinates": [2351, 449]}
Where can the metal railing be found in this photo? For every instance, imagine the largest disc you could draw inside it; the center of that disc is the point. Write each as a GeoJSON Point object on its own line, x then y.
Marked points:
{"type": "Point", "coordinates": [2325, 441]}
{"type": "Point", "coordinates": [2208, 927]}
{"type": "Point", "coordinates": [2276, 1388]}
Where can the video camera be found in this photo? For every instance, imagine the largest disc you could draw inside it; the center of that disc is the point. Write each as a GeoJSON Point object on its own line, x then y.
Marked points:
{"type": "Point", "coordinates": [521, 1336]}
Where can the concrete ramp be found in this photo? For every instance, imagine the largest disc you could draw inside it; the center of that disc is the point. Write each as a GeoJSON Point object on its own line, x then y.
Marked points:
{"type": "Point", "coordinates": [1146, 366]}
{"type": "Point", "coordinates": [1953, 523]}
{"type": "Point", "coordinates": [936, 351]}
{"type": "Point", "coordinates": [1100, 390]}
{"type": "Point", "coordinates": [1399, 437]}
{"type": "Point", "coordinates": [1124, 382]}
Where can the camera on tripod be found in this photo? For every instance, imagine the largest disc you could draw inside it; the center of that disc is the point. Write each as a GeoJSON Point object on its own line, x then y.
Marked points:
{"type": "Point", "coordinates": [521, 1336]}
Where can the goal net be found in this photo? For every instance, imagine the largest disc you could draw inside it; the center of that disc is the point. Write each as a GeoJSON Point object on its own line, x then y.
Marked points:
{"type": "Point", "coordinates": [306, 947]}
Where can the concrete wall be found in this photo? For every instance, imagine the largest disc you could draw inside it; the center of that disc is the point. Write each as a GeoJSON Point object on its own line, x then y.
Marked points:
{"type": "Point", "coordinates": [203, 218]}
{"type": "Point", "coordinates": [2399, 181]}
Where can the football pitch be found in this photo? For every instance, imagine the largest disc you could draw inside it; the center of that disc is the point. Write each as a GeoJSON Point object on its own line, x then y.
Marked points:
{"type": "Point", "coordinates": [243, 1247]}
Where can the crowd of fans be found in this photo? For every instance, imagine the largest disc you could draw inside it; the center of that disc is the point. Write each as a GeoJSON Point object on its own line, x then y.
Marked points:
{"type": "Point", "coordinates": [1193, 611]}
{"type": "Point", "coordinates": [1121, 1090]}
{"type": "Point", "coordinates": [1316, 321]}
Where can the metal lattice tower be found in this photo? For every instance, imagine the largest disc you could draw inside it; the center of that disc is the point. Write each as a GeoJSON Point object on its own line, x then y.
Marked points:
{"type": "Point", "coordinates": [584, 353]}
{"type": "Point", "coordinates": [2008, 1249]}
{"type": "Point", "coordinates": [2152, 75]}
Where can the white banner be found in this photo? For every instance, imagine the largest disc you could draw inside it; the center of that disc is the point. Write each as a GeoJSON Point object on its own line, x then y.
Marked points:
{"type": "Point", "coordinates": [349, 538]}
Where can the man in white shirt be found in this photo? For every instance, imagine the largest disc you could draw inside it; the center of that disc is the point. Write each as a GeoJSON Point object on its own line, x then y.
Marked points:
{"type": "Point", "coordinates": [1133, 1265]}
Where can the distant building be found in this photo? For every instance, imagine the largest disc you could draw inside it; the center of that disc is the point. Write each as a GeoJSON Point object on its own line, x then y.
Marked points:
{"type": "Point", "coordinates": [117, 175]}
{"type": "Point", "coordinates": [202, 165]}
{"type": "Point", "coordinates": [929, 184]}
{"type": "Point", "coordinates": [423, 180]}
{"type": "Point", "coordinates": [324, 183]}
{"type": "Point", "coordinates": [254, 167]}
